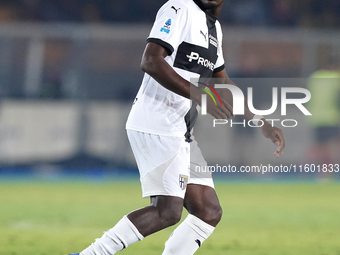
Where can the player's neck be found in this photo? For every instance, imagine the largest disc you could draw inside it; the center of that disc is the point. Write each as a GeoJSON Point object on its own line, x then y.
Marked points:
{"type": "Point", "coordinates": [212, 11]}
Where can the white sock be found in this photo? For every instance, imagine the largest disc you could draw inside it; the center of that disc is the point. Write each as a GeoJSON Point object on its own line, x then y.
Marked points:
{"type": "Point", "coordinates": [188, 237]}
{"type": "Point", "coordinates": [116, 239]}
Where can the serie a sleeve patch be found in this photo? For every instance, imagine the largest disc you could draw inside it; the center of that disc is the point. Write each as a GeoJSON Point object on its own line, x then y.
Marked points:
{"type": "Point", "coordinates": [166, 26]}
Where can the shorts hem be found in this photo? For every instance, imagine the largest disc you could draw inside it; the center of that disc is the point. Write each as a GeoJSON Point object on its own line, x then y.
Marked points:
{"type": "Point", "coordinates": [199, 181]}
{"type": "Point", "coordinates": [147, 195]}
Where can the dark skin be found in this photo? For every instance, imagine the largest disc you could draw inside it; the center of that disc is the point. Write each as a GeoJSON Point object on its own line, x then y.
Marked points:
{"type": "Point", "coordinates": [200, 201]}
{"type": "Point", "coordinates": [214, 7]}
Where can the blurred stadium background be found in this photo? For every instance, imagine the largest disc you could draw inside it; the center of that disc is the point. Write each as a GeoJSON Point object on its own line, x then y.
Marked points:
{"type": "Point", "coordinates": [70, 70]}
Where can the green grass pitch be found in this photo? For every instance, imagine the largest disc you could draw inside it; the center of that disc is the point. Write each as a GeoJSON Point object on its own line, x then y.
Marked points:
{"type": "Point", "coordinates": [259, 219]}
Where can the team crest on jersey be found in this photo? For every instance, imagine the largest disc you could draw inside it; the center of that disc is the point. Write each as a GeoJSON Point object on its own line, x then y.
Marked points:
{"type": "Point", "coordinates": [183, 181]}
{"type": "Point", "coordinates": [166, 27]}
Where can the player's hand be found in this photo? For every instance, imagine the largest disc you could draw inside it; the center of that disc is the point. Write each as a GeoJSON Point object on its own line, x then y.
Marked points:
{"type": "Point", "coordinates": [276, 136]}
{"type": "Point", "coordinates": [224, 111]}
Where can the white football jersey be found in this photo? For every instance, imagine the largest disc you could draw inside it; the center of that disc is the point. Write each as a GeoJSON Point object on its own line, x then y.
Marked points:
{"type": "Point", "coordinates": [193, 40]}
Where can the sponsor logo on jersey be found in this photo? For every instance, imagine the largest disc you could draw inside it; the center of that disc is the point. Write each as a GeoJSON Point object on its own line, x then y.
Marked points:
{"type": "Point", "coordinates": [201, 61]}
{"type": "Point", "coordinates": [196, 59]}
{"type": "Point", "coordinates": [213, 40]}
{"type": "Point", "coordinates": [183, 181]}
{"type": "Point", "coordinates": [166, 27]}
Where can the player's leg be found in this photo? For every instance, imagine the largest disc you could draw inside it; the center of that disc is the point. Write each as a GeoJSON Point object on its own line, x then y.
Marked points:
{"type": "Point", "coordinates": [163, 163]}
{"type": "Point", "coordinates": [163, 212]}
{"type": "Point", "coordinates": [203, 206]}
{"type": "Point", "coordinates": [202, 202]}
{"type": "Point", "coordinates": [200, 197]}
{"type": "Point", "coordinates": [204, 214]}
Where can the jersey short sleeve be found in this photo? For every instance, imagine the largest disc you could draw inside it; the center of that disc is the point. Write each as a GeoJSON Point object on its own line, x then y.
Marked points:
{"type": "Point", "coordinates": [219, 66]}
{"type": "Point", "coordinates": [171, 26]}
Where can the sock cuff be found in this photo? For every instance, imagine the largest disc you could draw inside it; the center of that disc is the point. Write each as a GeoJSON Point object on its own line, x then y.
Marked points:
{"type": "Point", "coordinates": [202, 228]}
{"type": "Point", "coordinates": [133, 228]}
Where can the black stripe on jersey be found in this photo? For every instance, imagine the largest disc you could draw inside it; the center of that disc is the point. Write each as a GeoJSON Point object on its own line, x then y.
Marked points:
{"type": "Point", "coordinates": [165, 45]}
{"type": "Point", "coordinates": [186, 59]}
{"type": "Point", "coordinates": [219, 69]}
{"type": "Point", "coordinates": [202, 65]}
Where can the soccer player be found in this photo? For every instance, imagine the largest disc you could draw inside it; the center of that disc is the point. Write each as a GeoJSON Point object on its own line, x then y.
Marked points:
{"type": "Point", "coordinates": [185, 42]}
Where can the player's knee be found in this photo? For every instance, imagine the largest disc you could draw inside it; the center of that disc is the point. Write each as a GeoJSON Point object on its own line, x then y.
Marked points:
{"type": "Point", "coordinates": [171, 217]}
{"type": "Point", "coordinates": [211, 214]}
{"type": "Point", "coordinates": [174, 219]}
{"type": "Point", "coordinates": [218, 214]}
{"type": "Point", "coordinates": [169, 209]}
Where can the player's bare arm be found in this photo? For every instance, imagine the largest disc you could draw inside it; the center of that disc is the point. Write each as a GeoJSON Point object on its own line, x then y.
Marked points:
{"type": "Point", "coordinates": [154, 64]}
{"type": "Point", "coordinates": [273, 133]}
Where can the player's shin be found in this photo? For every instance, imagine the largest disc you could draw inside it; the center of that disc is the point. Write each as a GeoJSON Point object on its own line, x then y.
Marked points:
{"type": "Point", "coordinates": [188, 237]}
{"type": "Point", "coordinates": [123, 234]}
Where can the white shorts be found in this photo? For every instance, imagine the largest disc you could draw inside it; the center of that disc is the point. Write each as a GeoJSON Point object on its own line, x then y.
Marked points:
{"type": "Point", "coordinates": [167, 164]}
